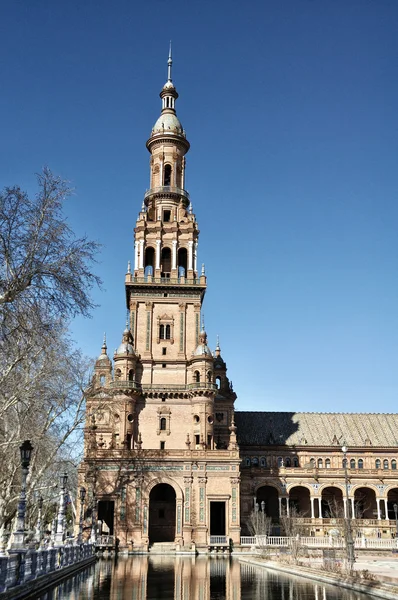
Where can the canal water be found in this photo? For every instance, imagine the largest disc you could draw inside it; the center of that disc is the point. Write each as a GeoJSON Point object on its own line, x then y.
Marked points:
{"type": "Point", "coordinates": [185, 578]}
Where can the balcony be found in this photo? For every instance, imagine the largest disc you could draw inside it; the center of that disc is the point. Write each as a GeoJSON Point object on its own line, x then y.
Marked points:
{"type": "Point", "coordinates": [133, 385]}
{"type": "Point", "coordinates": [149, 279]}
{"type": "Point", "coordinates": [179, 387]}
{"type": "Point", "coordinates": [167, 191]}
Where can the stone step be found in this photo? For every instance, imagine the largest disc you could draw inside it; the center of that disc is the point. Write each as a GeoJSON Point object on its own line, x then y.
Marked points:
{"type": "Point", "coordinates": [162, 548]}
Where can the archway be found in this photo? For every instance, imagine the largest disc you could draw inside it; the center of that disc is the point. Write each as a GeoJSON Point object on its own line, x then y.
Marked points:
{"type": "Point", "coordinates": [162, 513]}
{"type": "Point", "coordinates": [166, 262]}
{"type": "Point", "coordinates": [149, 261]}
{"type": "Point", "coordinates": [392, 498]}
{"type": "Point", "coordinates": [268, 495]}
{"type": "Point", "coordinates": [299, 502]}
{"type": "Point", "coordinates": [365, 506]}
{"type": "Point", "coordinates": [332, 503]}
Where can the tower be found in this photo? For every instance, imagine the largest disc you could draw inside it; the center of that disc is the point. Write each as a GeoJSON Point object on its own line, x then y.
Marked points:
{"type": "Point", "coordinates": [161, 455]}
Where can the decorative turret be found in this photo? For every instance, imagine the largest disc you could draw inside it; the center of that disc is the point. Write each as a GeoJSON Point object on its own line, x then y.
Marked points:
{"type": "Point", "coordinates": [125, 358]}
{"type": "Point", "coordinates": [102, 367]}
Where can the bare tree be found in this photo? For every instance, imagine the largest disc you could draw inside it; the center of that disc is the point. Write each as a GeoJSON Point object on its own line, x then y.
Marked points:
{"type": "Point", "coordinates": [45, 279]}
{"type": "Point", "coordinates": [41, 260]}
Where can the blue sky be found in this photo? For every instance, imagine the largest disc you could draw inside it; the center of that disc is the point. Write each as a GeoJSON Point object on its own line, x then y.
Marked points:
{"type": "Point", "coordinates": [291, 110]}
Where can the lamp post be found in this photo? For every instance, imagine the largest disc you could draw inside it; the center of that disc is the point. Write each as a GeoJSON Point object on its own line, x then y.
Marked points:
{"type": "Point", "coordinates": [19, 533]}
{"type": "Point", "coordinates": [39, 526]}
{"type": "Point", "coordinates": [82, 493]}
{"type": "Point", "coordinates": [59, 536]}
{"type": "Point", "coordinates": [93, 536]}
{"type": "Point", "coordinates": [347, 516]}
{"type": "Point", "coordinates": [395, 507]}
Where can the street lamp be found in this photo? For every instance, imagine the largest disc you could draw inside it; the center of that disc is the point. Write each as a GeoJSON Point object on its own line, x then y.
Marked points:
{"type": "Point", "coordinates": [82, 492]}
{"type": "Point", "coordinates": [395, 507]}
{"type": "Point", "coordinates": [19, 533]}
{"type": "Point", "coordinates": [347, 516]}
{"type": "Point", "coordinates": [59, 536]}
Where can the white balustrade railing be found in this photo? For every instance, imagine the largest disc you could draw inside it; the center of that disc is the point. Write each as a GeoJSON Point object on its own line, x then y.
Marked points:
{"type": "Point", "coordinates": [260, 541]}
{"type": "Point", "coordinates": [216, 540]}
{"type": "Point", "coordinates": [29, 564]}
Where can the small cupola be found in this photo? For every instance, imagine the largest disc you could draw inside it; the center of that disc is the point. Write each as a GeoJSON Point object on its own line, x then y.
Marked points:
{"type": "Point", "coordinates": [103, 366]}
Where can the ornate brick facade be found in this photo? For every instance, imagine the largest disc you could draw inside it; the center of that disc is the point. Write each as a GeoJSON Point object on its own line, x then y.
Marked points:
{"type": "Point", "coordinates": [166, 459]}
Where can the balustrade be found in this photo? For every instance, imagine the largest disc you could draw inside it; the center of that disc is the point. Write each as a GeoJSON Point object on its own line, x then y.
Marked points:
{"type": "Point", "coordinates": [29, 564]}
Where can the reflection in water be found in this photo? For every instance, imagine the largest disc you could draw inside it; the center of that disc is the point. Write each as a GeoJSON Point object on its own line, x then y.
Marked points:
{"type": "Point", "coordinates": [183, 578]}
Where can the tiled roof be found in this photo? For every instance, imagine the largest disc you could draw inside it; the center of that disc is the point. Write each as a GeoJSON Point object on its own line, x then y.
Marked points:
{"type": "Point", "coordinates": [316, 429]}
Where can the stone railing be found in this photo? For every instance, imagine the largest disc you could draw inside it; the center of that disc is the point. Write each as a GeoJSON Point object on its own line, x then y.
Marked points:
{"type": "Point", "coordinates": [23, 566]}
{"type": "Point", "coordinates": [262, 541]}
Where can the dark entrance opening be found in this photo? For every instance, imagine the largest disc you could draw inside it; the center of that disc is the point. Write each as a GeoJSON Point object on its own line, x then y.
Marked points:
{"type": "Point", "coordinates": [106, 513]}
{"type": "Point", "coordinates": [162, 513]}
{"type": "Point", "coordinates": [217, 518]}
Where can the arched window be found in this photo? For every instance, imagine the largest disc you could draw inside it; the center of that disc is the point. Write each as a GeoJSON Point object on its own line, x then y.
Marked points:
{"type": "Point", "coordinates": [182, 260]}
{"type": "Point", "coordinates": [296, 462]}
{"type": "Point", "coordinates": [385, 464]}
{"type": "Point", "coordinates": [288, 462]}
{"type": "Point", "coordinates": [161, 332]}
{"type": "Point", "coordinates": [327, 463]}
{"type": "Point", "coordinates": [280, 461]}
{"type": "Point", "coordinates": [312, 461]}
{"type": "Point", "coordinates": [149, 262]}
{"type": "Point", "coordinates": [162, 424]}
{"type": "Point", "coordinates": [254, 461]}
{"type": "Point", "coordinates": [263, 462]}
{"type": "Point", "coordinates": [167, 175]}
{"type": "Point", "coordinates": [118, 374]}
{"type": "Point", "coordinates": [167, 332]}
{"type": "Point", "coordinates": [166, 262]}
{"type": "Point", "coordinates": [378, 464]}
{"type": "Point", "coordinates": [209, 376]}
{"type": "Point", "coordinates": [360, 463]}
{"type": "Point", "coordinates": [218, 382]}
{"type": "Point", "coordinates": [196, 376]}
{"type": "Point", "coordinates": [247, 462]}
{"type": "Point", "coordinates": [352, 463]}
{"type": "Point", "coordinates": [131, 375]}
{"type": "Point", "coordinates": [320, 463]}
{"type": "Point", "coordinates": [102, 379]}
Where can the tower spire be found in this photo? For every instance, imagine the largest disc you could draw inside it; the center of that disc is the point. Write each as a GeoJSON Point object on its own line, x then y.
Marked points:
{"type": "Point", "coordinates": [169, 64]}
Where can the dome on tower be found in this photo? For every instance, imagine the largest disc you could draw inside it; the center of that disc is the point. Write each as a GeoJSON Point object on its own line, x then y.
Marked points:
{"type": "Point", "coordinates": [203, 349]}
{"type": "Point", "coordinates": [168, 122]}
{"type": "Point", "coordinates": [126, 346]}
{"type": "Point", "coordinates": [103, 358]}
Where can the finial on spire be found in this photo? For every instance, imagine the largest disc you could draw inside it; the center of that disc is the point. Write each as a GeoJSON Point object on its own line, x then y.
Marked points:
{"type": "Point", "coordinates": [104, 347]}
{"type": "Point", "coordinates": [203, 323]}
{"type": "Point", "coordinates": [169, 64]}
{"type": "Point", "coordinates": [218, 343]}
{"type": "Point", "coordinates": [203, 268]}
{"type": "Point", "coordinates": [128, 266]}
{"type": "Point", "coordinates": [128, 321]}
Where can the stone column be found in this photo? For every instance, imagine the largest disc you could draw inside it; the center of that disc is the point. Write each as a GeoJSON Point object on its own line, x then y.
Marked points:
{"type": "Point", "coordinates": [312, 507]}
{"type": "Point", "coordinates": [345, 507]}
{"type": "Point", "coordinates": [195, 257]}
{"type": "Point", "coordinates": [174, 255]}
{"type": "Point", "coordinates": [320, 507]}
{"type": "Point", "coordinates": [287, 507]}
{"type": "Point", "coordinates": [280, 505]}
{"type": "Point", "coordinates": [386, 508]}
{"type": "Point", "coordinates": [136, 255]}
{"type": "Point", "coordinates": [157, 264]}
{"type": "Point", "coordinates": [141, 254]}
{"type": "Point", "coordinates": [378, 509]}
{"type": "Point", "coordinates": [352, 508]}
{"type": "Point", "coordinates": [190, 255]}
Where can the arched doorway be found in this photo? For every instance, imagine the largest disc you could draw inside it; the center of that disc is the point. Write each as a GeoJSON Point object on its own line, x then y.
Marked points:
{"type": "Point", "coordinates": [365, 506]}
{"type": "Point", "coordinates": [162, 513]}
{"type": "Point", "coordinates": [392, 498]}
{"type": "Point", "coordinates": [268, 495]}
{"type": "Point", "coordinates": [332, 503]}
{"type": "Point", "coordinates": [299, 502]}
